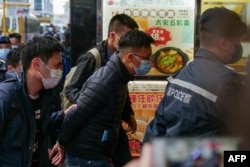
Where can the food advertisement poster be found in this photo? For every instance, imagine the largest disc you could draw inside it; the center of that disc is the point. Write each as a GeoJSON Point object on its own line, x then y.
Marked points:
{"type": "Point", "coordinates": [170, 22]}
{"type": "Point", "coordinates": [242, 8]}
{"type": "Point", "coordinates": [145, 97]}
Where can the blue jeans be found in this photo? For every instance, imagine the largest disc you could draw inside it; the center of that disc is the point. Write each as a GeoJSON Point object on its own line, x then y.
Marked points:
{"type": "Point", "coordinates": [72, 161]}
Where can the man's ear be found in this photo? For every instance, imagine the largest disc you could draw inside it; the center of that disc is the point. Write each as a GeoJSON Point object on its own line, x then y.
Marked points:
{"type": "Point", "coordinates": [129, 57]}
{"type": "Point", "coordinates": [222, 43]}
{"type": "Point", "coordinates": [35, 64]}
{"type": "Point", "coordinates": [112, 36]}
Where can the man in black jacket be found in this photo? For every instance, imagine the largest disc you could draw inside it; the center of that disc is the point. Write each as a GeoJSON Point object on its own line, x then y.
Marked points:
{"type": "Point", "coordinates": [118, 25]}
{"type": "Point", "coordinates": [90, 132]}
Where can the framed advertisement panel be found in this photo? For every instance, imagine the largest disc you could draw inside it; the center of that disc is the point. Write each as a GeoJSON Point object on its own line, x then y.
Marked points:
{"type": "Point", "coordinates": [170, 22]}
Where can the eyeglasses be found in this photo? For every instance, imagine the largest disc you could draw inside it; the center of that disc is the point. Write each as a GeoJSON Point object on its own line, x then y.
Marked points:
{"type": "Point", "coordinates": [143, 58]}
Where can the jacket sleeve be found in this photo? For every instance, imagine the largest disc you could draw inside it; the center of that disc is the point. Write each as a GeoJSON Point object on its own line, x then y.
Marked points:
{"type": "Point", "coordinates": [157, 127]}
{"type": "Point", "coordinates": [84, 70]}
{"type": "Point", "coordinates": [91, 99]}
{"type": "Point", "coordinates": [128, 110]}
{"type": "Point", "coordinates": [56, 120]}
{"type": "Point", "coordinates": [4, 107]}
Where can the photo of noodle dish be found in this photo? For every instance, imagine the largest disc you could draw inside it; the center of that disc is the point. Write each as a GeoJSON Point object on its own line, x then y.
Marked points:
{"type": "Point", "coordinates": [169, 60]}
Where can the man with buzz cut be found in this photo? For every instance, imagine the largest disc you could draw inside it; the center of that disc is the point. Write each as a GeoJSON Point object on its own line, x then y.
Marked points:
{"type": "Point", "coordinates": [118, 25]}
{"type": "Point", "coordinates": [90, 132]}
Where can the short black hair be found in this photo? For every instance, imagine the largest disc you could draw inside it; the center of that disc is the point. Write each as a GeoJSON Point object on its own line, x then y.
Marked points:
{"type": "Point", "coordinates": [15, 35]}
{"type": "Point", "coordinates": [135, 39]}
{"type": "Point", "coordinates": [42, 47]}
{"type": "Point", "coordinates": [119, 20]}
{"type": "Point", "coordinates": [222, 21]}
{"type": "Point", "coordinates": [13, 57]}
{"type": "Point", "coordinates": [4, 40]}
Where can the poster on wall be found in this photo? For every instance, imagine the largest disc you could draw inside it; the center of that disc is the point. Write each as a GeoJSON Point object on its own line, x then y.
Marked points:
{"type": "Point", "coordinates": [170, 22]}
{"type": "Point", "coordinates": [145, 97]}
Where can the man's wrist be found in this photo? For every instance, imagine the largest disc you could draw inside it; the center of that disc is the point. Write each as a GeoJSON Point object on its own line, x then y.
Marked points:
{"type": "Point", "coordinates": [63, 113]}
{"type": "Point", "coordinates": [59, 145]}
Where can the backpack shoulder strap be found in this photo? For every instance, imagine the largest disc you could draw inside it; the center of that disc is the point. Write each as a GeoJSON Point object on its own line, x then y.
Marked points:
{"type": "Point", "coordinates": [95, 52]}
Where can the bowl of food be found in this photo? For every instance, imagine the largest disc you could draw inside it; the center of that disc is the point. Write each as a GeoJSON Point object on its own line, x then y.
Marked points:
{"type": "Point", "coordinates": [169, 60]}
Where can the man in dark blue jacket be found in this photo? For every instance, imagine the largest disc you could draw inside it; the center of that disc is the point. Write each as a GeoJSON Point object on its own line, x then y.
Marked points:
{"type": "Point", "coordinates": [192, 105]}
{"type": "Point", "coordinates": [118, 25]}
{"type": "Point", "coordinates": [27, 100]}
{"type": "Point", "coordinates": [90, 132]}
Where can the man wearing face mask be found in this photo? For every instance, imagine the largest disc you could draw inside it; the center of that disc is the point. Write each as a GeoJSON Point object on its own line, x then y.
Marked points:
{"type": "Point", "coordinates": [5, 47]}
{"type": "Point", "coordinates": [193, 101]}
{"type": "Point", "coordinates": [15, 40]}
{"type": "Point", "coordinates": [4, 50]}
{"type": "Point", "coordinates": [52, 32]}
{"type": "Point", "coordinates": [27, 101]}
{"type": "Point", "coordinates": [90, 132]}
{"type": "Point", "coordinates": [118, 25]}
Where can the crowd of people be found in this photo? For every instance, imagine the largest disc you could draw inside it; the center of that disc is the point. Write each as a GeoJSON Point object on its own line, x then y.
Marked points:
{"type": "Point", "coordinates": [35, 131]}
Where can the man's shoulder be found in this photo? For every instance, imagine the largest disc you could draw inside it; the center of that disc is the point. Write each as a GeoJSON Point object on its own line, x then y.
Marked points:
{"type": "Point", "coordinates": [236, 77]}
{"type": "Point", "coordinates": [87, 55]}
{"type": "Point", "coordinates": [107, 74]}
{"type": "Point", "coordinates": [7, 85]}
{"type": "Point", "coordinates": [101, 48]}
{"type": "Point", "coordinates": [8, 89]}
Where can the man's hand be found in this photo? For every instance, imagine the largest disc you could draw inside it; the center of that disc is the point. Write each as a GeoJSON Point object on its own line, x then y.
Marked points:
{"type": "Point", "coordinates": [57, 154]}
{"type": "Point", "coordinates": [73, 106]}
{"type": "Point", "coordinates": [132, 125]}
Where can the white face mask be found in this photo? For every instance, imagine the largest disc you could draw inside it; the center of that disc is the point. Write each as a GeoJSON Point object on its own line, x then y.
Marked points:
{"type": "Point", "coordinates": [14, 46]}
{"type": "Point", "coordinates": [53, 80]}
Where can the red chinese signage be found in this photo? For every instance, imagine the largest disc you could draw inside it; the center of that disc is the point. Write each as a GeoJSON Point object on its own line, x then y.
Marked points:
{"type": "Point", "coordinates": [160, 35]}
{"type": "Point", "coordinates": [145, 100]}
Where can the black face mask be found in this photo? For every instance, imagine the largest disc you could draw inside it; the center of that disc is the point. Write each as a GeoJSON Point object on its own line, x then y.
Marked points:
{"type": "Point", "coordinates": [237, 54]}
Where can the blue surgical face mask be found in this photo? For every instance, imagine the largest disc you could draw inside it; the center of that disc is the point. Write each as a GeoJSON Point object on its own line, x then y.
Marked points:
{"type": "Point", "coordinates": [4, 53]}
{"type": "Point", "coordinates": [144, 67]}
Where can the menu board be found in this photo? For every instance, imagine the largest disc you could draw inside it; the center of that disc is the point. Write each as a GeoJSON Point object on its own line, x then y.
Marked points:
{"type": "Point", "coordinates": [170, 22]}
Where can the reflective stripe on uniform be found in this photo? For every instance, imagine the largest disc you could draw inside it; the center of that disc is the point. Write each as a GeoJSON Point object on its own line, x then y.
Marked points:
{"type": "Point", "coordinates": [193, 88]}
